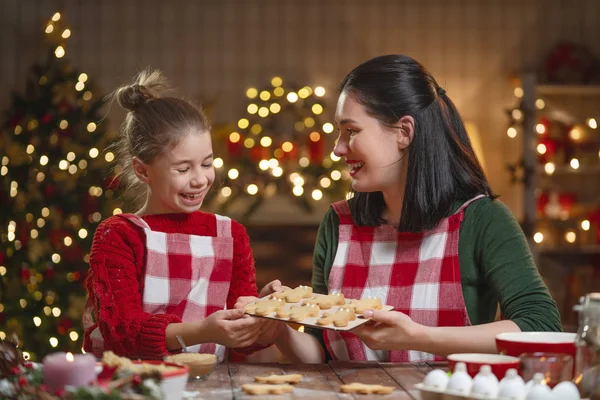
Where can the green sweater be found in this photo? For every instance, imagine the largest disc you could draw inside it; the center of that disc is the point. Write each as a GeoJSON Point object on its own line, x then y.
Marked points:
{"type": "Point", "coordinates": [496, 267]}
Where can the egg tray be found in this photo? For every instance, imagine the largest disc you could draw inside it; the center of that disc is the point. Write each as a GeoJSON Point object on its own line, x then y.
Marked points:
{"type": "Point", "coordinates": [428, 393]}
{"type": "Point", "coordinates": [312, 321]}
{"type": "Point", "coordinates": [432, 394]}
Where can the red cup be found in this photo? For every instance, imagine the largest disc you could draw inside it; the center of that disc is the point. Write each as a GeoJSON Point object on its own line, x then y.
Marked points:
{"type": "Point", "coordinates": [498, 363]}
{"type": "Point", "coordinates": [516, 343]}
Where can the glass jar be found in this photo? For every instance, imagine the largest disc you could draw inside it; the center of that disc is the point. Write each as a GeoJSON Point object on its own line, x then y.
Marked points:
{"type": "Point", "coordinates": [587, 360]}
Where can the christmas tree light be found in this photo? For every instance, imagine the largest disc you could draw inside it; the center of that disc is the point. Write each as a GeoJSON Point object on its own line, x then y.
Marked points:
{"type": "Point", "coordinates": [55, 190]}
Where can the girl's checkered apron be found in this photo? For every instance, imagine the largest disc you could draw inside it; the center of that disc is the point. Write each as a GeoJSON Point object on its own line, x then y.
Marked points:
{"type": "Point", "coordinates": [185, 275]}
{"type": "Point", "coordinates": [417, 273]}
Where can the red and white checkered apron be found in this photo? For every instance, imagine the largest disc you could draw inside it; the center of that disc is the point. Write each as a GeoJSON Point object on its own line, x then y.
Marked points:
{"type": "Point", "coordinates": [185, 275]}
{"type": "Point", "coordinates": [417, 273]}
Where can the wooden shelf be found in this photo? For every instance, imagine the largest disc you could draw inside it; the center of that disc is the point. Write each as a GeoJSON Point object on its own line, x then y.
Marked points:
{"type": "Point", "coordinates": [570, 250]}
{"type": "Point", "coordinates": [573, 90]}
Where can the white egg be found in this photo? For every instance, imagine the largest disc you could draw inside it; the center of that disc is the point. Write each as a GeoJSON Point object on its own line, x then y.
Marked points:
{"type": "Point", "coordinates": [539, 390]}
{"type": "Point", "coordinates": [512, 386]}
{"type": "Point", "coordinates": [485, 383]}
{"type": "Point", "coordinates": [566, 391]}
{"type": "Point", "coordinates": [460, 381]}
{"type": "Point", "coordinates": [437, 380]}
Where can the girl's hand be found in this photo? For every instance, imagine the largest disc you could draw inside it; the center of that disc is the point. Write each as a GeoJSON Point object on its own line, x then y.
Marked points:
{"type": "Point", "coordinates": [390, 330]}
{"type": "Point", "coordinates": [270, 288]}
{"type": "Point", "coordinates": [230, 328]}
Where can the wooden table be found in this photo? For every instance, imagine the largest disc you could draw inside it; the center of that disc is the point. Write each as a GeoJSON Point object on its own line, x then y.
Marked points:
{"type": "Point", "coordinates": [321, 381]}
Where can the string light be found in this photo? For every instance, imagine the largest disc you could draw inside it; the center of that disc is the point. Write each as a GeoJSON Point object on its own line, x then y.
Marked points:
{"type": "Point", "coordinates": [233, 173]}
{"type": "Point", "coordinates": [251, 93]}
{"type": "Point", "coordinates": [327, 127]}
{"type": "Point", "coordinates": [317, 109]}
{"type": "Point", "coordinates": [317, 194]}
{"type": "Point", "coordinates": [66, 33]}
{"type": "Point", "coordinates": [541, 148]}
{"type": "Point", "coordinates": [539, 128]}
{"type": "Point", "coordinates": [252, 189]}
{"type": "Point", "coordinates": [538, 237]}
{"type": "Point", "coordinates": [298, 190]}
{"type": "Point", "coordinates": [218, 162]}
{"type": "Point", "coordinates": [549, 168]}
{"type": "Point", "coordinates": [575, 134]}
{"type": "Point", "coordinates": [226, 191]}
{"type": "Point", "coordinates": [234, 137]}
{"type": "Point", "coordinates": [518, 92]}
{"type": "Point", "coordinates": [74, 336]}
{"type": "Point", "coordinates": [243, 123]}
{"type": "Point", "coordinates": [277, 171]}
{"type": "Point", "coordinates": [592, 123]}
{"type": "Point", "coordinates": [574, 163]}
{"type": "Point", "coordinates": [278, 91]}
{"type": "Point", "coordinates": [540, 104]}
{"type": "Point", "coordinates": [264, 95]}
{"type": "Point", "coordinates": [585, 225]}
{"type": "Point", "coordinates": [319, 91]}
{"type": "Point", "coordinates": [276, 81]}
{"type": "Point", "coordinates": [256, 129]}
{"type": "Point", "coordinates": [275, 108]}
{"type": "Point", "coordinates": [570, 236]}
{"type": "Point", "coordinates": [287, 146]}
{"type": "Point", "coordinates": [292, 97]}
{"type": "Point", "coordinates": [53, 341]}
{"type": "Point", "coordinates": [252, 108]}
{"type": "Point", "coordinates": [263, 165]}
{"type": "Point", "coordinates": [59, 52]}
{"type": "Point", "coordinates": [334, 157]}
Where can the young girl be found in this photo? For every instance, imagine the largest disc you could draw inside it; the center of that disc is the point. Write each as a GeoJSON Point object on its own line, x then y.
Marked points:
{"type": "Point", "coordinates": [168, 270]}
{"type": "Point", "coordinates": [423, 231]}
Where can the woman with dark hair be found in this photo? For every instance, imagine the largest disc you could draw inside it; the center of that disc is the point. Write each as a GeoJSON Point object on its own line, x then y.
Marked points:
{"type": "Point", "coordinates": [423, 232]}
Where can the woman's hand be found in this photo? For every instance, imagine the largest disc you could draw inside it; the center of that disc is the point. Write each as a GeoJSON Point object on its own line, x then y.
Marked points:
{"type": "Point", "coordinates": [230, 328]}
{"type": "Point", "coordinates": [389, 330]}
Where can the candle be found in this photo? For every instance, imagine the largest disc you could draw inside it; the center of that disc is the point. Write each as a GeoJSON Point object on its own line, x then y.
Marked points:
{"type": "Point", "coordinates": [66, 369]}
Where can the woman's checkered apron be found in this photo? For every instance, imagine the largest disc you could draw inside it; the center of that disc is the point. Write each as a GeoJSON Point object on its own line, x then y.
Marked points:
{"type": "Point", "coordinates": [185, 275]}
{"type": "Point", "coordinates": [417, 273]}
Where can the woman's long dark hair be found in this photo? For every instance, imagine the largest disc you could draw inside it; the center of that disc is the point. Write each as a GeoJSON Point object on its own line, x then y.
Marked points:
{"type": "Point", "coordinates": [442, 166]}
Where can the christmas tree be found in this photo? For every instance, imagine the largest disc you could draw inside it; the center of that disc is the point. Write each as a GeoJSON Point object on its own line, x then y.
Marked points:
{"type": "Point", "coordinates": [55, 189]}
{"type": "Point", "coordinates": [281, 145]}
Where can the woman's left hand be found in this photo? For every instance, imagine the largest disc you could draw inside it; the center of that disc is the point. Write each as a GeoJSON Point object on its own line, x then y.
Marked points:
{"type": "Point", "coordinates": [390, 330]}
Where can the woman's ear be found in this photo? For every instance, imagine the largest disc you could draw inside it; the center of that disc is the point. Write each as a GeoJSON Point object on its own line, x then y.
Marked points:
{"type": "Point", "coordinates": [406, 126]}
{"type": "Point", "coordinates": [140, 169]}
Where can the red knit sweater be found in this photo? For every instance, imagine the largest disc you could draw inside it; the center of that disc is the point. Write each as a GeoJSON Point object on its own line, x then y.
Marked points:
{"type": "Point", "coordinates": [115, 280]}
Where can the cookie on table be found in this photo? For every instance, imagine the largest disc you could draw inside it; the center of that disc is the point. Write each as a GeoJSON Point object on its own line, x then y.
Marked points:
{"type": "Point", "coordinates": [362, 388]}
{"type": "Point", "coordinates": [279, 379]}
{"type": "Point", "coordinates": [263, 388]}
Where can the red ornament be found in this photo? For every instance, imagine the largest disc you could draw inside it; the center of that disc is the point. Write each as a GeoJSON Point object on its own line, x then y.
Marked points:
{"type": "Point", "coordinates": [60, 392]}
{"type": "Point", "coordinates": [15, 370]}
{"type": "Point", "coordinates": [137, 380]}
{"type": "Point", "coordinates": [25, 274]}
{"type": "Point", "coordinates": [566, 201]}
{"type": "Point", "coordinates": [46, 118]}
{"type": "Point", "coordinates": [542, 200]}
{"type": "Point", "coordinates": [22, 381]}
{"type": "Point", "coordinates": [48, 191]}
{"type": "Point", "coordinates": [49, 273]}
